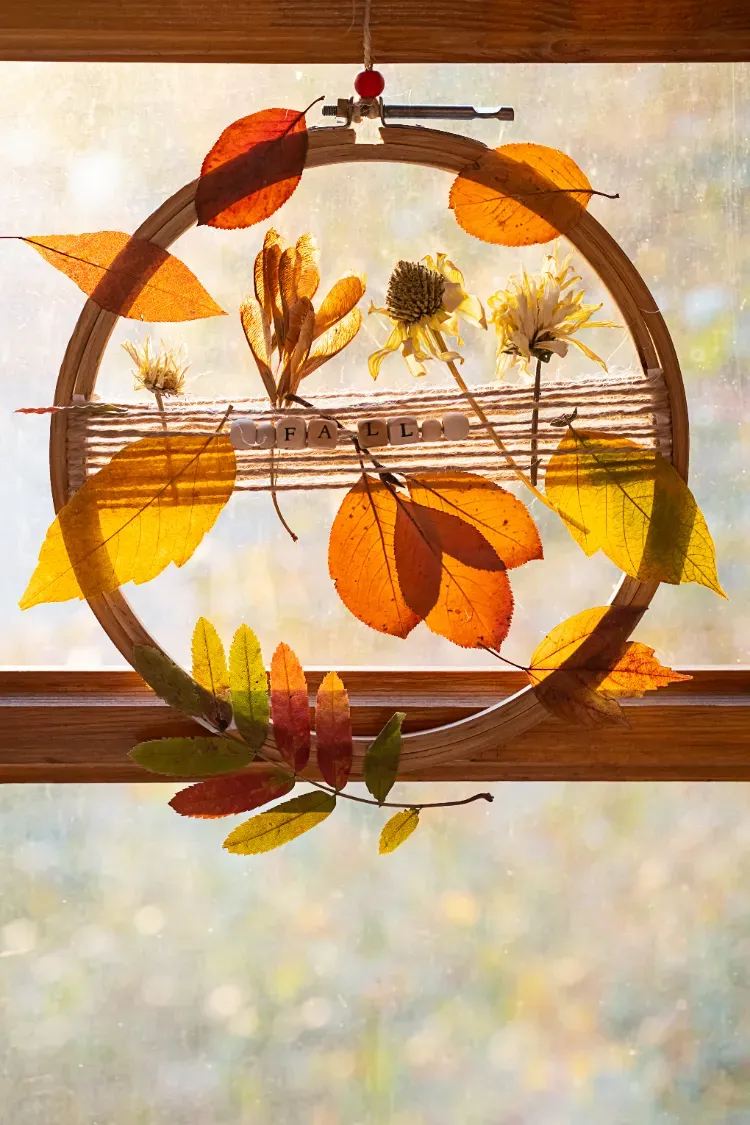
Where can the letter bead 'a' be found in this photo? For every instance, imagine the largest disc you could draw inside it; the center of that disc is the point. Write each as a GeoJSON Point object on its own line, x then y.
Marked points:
{"type": "Point", "coordinates": [291, 433]}
{"type": "Point", "coordinates": [403, 430]}
{"type": "Point", "coordinates": [372, 432]}
{"type": "Point", "coordinates": [322, 433]}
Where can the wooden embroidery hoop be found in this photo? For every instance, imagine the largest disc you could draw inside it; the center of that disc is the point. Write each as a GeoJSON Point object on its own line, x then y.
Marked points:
{"type": "Point", "coordinates": [448, 152]}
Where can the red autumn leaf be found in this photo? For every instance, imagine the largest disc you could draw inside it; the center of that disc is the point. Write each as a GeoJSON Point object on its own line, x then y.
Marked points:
{"type": "Point", "coordinates": [233, 793]}
{"type": "Point", "coordinates": [290, 710]}
{"type": "Point", "coordinates": [333, 731]}
{"type": "Point", "coordinates": [252, 169]}
{"type": "Point", "coordinates": [418, 557]}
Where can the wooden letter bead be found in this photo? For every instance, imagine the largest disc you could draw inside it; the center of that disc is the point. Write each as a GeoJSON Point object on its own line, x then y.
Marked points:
{"type": "Point", "coordinates": [291, 433]}
{"type": "Point", "coordinates": [403, 431]}
{"type": "Point", "coordinates": [455, 426]}
{"type": "Point", "coordinates": [265, 435]}
{"type": "Point", "coordinates": [242, 433]}
{"type": "Point", "coordinates": [432, 429]}
{"type": "Point", "coordinates": [322, 433]}
{"type": "Point", "coordinates": [372, 431]}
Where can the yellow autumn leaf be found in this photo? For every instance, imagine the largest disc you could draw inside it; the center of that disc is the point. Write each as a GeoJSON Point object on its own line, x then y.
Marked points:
{"type": "Point", "coordinates": [586, 663]}
{"type": "Point", "coordinates": [398, 829]}
{"type": "Point", "coordinates": [630, 503]}
{"type": "Point", "coordinates": [269, 830]}
{"type": "Point", "coordinates": [149, 507]}
{"type": "Point", "coordinates": [209, 659]}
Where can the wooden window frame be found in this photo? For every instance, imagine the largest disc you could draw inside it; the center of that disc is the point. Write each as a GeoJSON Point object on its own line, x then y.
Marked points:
{"type": "Point", "coordinates": [60, 725]}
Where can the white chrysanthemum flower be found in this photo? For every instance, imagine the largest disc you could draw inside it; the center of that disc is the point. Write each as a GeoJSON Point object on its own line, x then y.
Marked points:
{"type": "Point", "coordinates": [161, 372]}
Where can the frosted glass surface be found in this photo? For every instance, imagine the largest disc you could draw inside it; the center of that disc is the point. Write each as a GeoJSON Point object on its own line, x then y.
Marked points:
{"type": "Point", "coordinates": [89, 147]}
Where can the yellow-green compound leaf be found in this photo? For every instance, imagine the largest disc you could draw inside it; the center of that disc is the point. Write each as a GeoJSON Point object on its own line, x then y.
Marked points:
{"type": "Point", "coordinates": [631, 503]}
{"type": "Point", "coordinates": [209, 660]}
{"type": "Point", "coordinates": [248, 681]}
{"type": "Point", "coordinates": [398, 829]}
{"type": "Point", "coordinates": [382, 758]}
{"type": "Point", "coordinates": [171, 684]}
{"type": "Point", "coordinates": [192, 757]}
{"type": "Point", "coordinates": [281, 824]}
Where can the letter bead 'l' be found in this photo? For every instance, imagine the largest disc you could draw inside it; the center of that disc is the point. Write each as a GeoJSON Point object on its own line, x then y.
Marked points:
{"type": "Point", "coordinates": [403, 431]}
{"type": "Point", "coordinates": [372, 432]}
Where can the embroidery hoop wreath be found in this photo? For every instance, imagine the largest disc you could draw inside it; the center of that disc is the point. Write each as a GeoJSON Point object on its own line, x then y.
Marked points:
{"type": "Point", "coordinates": [448, 152]}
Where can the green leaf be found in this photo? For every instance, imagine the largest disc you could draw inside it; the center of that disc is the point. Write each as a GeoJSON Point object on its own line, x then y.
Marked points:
{"type": "Point", "coordinates": [382, 758]}
{"type": "Point", "coordinates": [171, 684]}
{"type": "Point", "coordinates": [632, 504]}
{"type": "Point", "coordinates": [398, 829]}
{"type": "Point", "coordinates": [281, 824]}
{"type": "Point", "coordinates": [191, 757]}
{"type": "Point", "coordinates": [209, 659]}
{"type": "Point", "coordinates": [248, 681]}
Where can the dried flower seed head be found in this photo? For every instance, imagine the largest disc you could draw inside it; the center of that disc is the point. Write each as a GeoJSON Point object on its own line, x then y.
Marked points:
{"type": "Point", "coordinates": [414, 291]}
{"type": "Point", "coordinates": [161, 372]}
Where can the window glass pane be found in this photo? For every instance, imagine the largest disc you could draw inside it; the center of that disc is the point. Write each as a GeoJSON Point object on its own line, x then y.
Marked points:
{"type": "Point", "coordinates": [89, 147]}
{"type": "Point", "coordinates": [573, 953]}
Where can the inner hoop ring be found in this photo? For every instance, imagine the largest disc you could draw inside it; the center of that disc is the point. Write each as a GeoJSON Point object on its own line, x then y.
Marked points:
{"type": "Point", "coordinates": [449, 152]}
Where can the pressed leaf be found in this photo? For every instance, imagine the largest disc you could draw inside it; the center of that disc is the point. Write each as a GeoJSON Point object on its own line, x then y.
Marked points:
{"type": "Point", "coordinates": [398, 829]}
{"type": "Point", "coordinates": [249, 687]}
{"type": "Point", "coordinates": [191, 757]}
{"type": "Point", "coordinates": [150, 506]}
{"type": "Point", "coordinates": [474, 608]}
{"type": "Point", "coordinates": [332, 341]}
{"type": "Point", "coordinates": [281, 824]}
{"type": "Point", "coordinates": [290, 709]}
{"type": "Point", "coordinates": [631, 503]}
{"type": "Point", "coordinates": [209, 659]}
{"type": "Point", "coordinates": [167, 680]}
{"type": "Point", "coordinates": [128, 276]}
{"type": "Point", "coordinates": [340, 301]}
{"type": "Point", "coordinates": [258, 335]}
{"type": "Point", "coordinates": [361, 558]}
{"type": "Point", "coordinates": [502, 520]}
{"type": "Point", "coordinates": [418, 557]}
{"type": "Point", "coordinates": [333, 731]}
{"type": "Point", "coordinates": [520, 194]}
{"type": "Point", "coordinates": [584, 664]}
{"type": "Point", "coordinates": [252, 169]}
{"type": "Point", "coordinates": [226, 796]}
{"type": "Point", "coordinates": [383, 757]}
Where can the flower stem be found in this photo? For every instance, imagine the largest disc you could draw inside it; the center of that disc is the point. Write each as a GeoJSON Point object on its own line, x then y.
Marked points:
{"type": "Point", "coordinates": [275, 499]}
{"type": "Point", "coordinates": [535, 421]}
{"type": "Point", "coordinates": [491, 429]}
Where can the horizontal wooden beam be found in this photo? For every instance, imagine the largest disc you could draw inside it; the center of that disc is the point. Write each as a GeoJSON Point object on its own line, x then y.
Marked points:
{"type": "Point", "coordinates": [59, 725]}
{"type": "Point", "coordinates": [415, 31]}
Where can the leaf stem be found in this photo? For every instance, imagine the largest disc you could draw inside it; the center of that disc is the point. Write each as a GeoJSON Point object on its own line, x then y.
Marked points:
{"type": "Point", "coordinates": [490, 428]}
{"type": "Point", "coordinates": [535, 421]}
{"type": "Point", "coordinates": [275, 499]}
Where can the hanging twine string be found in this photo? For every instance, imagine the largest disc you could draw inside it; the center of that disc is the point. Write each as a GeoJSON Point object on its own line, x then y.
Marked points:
{"type": "Point", "coordinates": [367, 37]}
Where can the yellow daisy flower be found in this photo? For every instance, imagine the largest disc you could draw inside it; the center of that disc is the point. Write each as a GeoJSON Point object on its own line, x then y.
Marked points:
{"type": "Point", "coordinates": [425, 300]}
{"type": "Point", "coordinates": [540, 314]}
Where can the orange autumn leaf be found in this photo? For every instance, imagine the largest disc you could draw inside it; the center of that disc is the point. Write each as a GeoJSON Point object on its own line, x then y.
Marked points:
{"type": "Point", "coordinates": [253, 169]}
{"type": "Point", "coordinates": [333, 731]}
{"type": "Point", "coordinates": [473, 608]}
{"type": "Point", "coordinates": [149, 507]}
{"type": "Point", "coordinates": [503, 520]}
{"type": "Point", "coordinates": [236, 793]}
{"type": "Point", "coordinates": [584, 665]}
{"type": "Point", "coordinates": [519, 195]}
{"type": "Point", "coordinates": [128, 276]}
{"type": "Point", "coordinates": [361, 558]}
{"type": "Point", "coordinates": [418, 557]}
{"type": "Point", "coordinates": [290, 710]}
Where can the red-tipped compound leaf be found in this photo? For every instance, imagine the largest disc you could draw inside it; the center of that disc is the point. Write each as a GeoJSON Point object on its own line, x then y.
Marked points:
{"type": "Point", "coordinates": [238, 793]}
{"type": "Point", "coordinates": [252, 169]}
{"type": "Point", "coordinates": [128, 276]}
{"type": "Point", "coordinates": [290, 710]}
{"type": "Point", "coordinates": [333, 731]}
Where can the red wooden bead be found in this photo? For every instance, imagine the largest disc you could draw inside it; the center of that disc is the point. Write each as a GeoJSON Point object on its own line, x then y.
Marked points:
{"type": "Point", "coordinates": [369, 84]}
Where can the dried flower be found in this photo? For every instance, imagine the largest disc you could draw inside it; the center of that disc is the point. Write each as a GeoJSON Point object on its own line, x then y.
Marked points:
{"type": "Point", "coordinates": [423, 303]}
{"type": "Point", "coordinates": [162, 373]}
{"type": "Point", "coordinates": [288, 338]}
{"type": "Point", "coordinates": [540, 315]}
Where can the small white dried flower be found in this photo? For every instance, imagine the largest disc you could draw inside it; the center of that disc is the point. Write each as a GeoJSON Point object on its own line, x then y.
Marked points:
{"type": "Point", "coordinates": [161, 372]}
